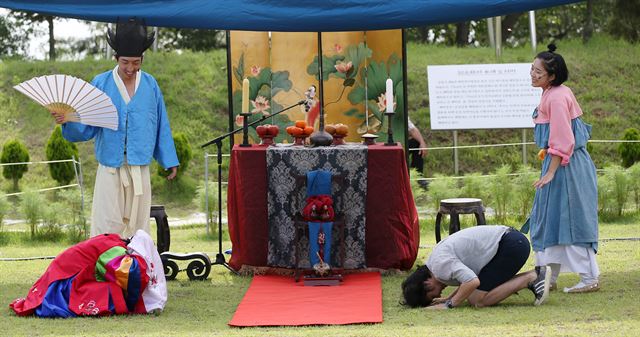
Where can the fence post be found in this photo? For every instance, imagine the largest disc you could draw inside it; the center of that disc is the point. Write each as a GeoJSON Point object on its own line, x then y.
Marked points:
{"type": "Point", "coordinates": [455, 152]}
{"type": "Point", "coordinates": [78, 171]}
{"type": "Point", "coordinates": [206, 189]}
{"type": "Point", "coordinates": [524, 147]}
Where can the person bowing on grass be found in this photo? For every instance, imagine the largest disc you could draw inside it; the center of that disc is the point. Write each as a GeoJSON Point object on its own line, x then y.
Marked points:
{"type": "Point", "coordinates": [482, 262]}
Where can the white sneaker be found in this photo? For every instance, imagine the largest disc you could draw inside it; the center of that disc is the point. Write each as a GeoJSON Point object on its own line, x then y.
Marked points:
{"type": "Point", "coordinates": [582, 288]}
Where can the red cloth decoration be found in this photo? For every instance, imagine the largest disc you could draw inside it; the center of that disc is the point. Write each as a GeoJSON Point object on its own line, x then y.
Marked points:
{"type": "Point", "coordinates": [319, 208]}
{"type": "Point", "coordinates": [392, 230]}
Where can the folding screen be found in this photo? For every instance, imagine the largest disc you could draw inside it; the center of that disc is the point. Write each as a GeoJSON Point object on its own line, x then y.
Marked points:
{"type": "Point", "coordinates": [281, 66]}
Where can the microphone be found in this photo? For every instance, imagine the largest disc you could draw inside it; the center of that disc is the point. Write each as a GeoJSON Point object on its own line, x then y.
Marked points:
{"type": "Point", "coordinates": [309, 95]}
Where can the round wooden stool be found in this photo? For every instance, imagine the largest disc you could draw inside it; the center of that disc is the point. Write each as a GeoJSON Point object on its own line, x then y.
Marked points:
{"type": "Point", "coordinates": [457, 206]}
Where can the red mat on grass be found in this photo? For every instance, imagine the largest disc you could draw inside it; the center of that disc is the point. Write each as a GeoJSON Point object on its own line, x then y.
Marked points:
{"type": "Point", "coordinates": [278, 300]}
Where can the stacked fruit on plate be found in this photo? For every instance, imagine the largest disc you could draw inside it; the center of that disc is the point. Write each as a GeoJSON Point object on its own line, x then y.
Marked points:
{"type": "Point", "coordinates": [338, 131]}
{"type": "Point", "coordinates": [299, 132]}
{"type": "Point", "coordinates": [300, 129]}
{"type": "Point", "coordinates": [267, 132]}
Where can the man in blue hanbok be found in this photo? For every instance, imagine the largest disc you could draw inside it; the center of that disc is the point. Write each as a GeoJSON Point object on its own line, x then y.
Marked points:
{"type": "Point", "coordinates": [122, 193]}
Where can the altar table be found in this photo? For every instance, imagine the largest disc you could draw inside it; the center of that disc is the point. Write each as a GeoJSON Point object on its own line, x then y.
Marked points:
{"type": "Point", "coordinates": [391, 229]}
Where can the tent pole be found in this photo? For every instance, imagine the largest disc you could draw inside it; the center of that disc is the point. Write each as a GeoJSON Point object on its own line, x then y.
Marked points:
{"type": "Point", "coordinates": [492, 37]}
{"type": "Point", "coordinates": [532, 30]}
{"type": "Point", "coordinates": [498, 36]}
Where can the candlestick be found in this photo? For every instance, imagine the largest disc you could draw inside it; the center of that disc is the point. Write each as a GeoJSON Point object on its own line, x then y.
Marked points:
{"type": "Point", "coordinates": [389, 96]}
{"type": "Point", "coordinates": [245, 95]}
{"type": "Point", "coordinates": [389, 112]}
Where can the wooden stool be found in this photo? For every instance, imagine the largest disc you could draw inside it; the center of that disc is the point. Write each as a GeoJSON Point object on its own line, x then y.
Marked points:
{"type": "Point", "coordinates": [457, 206]}
{"type": "Point", "coordinates": [162, 223]}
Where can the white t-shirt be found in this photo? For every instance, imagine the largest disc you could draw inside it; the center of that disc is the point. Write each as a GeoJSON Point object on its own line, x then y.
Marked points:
{"type": "Point", "coordinates": [460, 257]}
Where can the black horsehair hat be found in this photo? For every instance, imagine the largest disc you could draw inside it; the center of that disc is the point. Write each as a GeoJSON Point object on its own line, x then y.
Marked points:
{"type": "Point", "coordinates": [131, 38]}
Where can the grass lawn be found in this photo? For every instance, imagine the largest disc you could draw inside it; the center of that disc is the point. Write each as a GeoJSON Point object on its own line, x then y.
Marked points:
{"type": "Point", "coordinates": [204, 308]}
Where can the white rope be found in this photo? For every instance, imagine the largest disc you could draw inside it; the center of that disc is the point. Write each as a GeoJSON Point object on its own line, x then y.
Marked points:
{"type": "Point", "coordinates": [40, 162]}
{"type": "Point", "coordinates": [512, 144]}
{"type": "Point", "coordinates": [43, 190]}
{"type": "Point", "coordinates": [488, 175]}
{"type": "Point", "coordinates": [215, 155]}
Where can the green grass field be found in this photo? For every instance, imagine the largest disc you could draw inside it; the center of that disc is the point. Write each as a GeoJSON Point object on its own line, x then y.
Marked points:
{"type": "Point", "coordinates": [204, 308]}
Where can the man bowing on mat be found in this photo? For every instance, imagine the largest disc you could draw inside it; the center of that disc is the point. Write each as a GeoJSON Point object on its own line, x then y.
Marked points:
{"type": "Point", "coordinates": [122, 192]}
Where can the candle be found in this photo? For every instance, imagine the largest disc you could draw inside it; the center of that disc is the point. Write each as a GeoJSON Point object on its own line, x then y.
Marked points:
{"type": "Point", "coordinates": [245, 96]}
{"type": "Point", "coordinates": [389, 95]}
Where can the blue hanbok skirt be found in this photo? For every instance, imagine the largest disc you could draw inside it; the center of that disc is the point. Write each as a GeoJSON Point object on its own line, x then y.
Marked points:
{"type": "Point", "coordinates": [565, 211]}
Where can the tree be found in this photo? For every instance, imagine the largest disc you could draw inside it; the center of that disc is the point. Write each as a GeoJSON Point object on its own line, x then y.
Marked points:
{"type": "Point", "coordinates": [14, 151]}
{"type": "Point", "coordinates": [59, 148]}
{"type": "Point", "coordinates": [192, 39]}
{"type": "Point", "coordinates": [27, 18]}
{"type": "Point", "coordinates": [630, 152]}
{"type": "Point", "coordinates": [462, 33]}
{"type": "Point", "coordinates": [625, 22]}
{"type": "Point", "coordinates": [185, 154]}
{"type": "Point", "coordinates": [12, 42]}
{"type": "Point", "coordinates": [587, 32]}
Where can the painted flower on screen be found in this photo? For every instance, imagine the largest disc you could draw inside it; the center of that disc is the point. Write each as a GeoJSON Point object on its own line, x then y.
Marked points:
{"type": "Point", "coordinates": [239, 120]}
{"type": "Point", "coordinates": [255, 70]}
{"type": "Point", "coordinates": [382, 103]}
{"type": "Point", "coordinates": [343, 67]}
{"type": "Point", "coordinates": [337, 48]}
{"type": "Point", "coordinates": [260, 104]}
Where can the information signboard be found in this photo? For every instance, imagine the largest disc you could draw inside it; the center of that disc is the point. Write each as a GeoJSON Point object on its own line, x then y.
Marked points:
{"type": "Point", "coordinates": [481, 96]}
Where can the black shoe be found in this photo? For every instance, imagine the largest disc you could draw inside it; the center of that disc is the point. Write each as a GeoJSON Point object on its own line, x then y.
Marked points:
{"type": "Point", "coordinates": [540, 286]}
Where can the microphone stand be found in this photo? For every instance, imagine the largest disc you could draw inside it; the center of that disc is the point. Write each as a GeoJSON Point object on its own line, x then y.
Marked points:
{"type": "Point", "coordinates": [218, 141]}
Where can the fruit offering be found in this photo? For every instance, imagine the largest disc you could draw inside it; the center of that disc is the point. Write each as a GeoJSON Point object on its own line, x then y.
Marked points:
{"type": "Point", "coordinates": [337, 129]}
{"type": "Point", "coordinates": [300, 129]}
{"type": "Point", "coordinates": [267, 130]}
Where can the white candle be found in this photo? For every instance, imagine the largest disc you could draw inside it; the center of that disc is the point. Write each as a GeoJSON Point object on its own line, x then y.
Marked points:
{"type": "Point", "coordinates": [389, 95]}
{"type": "Point", "coordinates": [245, 95]}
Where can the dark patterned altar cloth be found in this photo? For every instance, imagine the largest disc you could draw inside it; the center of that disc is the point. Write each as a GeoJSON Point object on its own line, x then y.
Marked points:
{"type": "Point", "coordinates": [286, 197]}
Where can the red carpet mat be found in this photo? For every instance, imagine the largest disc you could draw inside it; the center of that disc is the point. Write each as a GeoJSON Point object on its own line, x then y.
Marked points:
{"type": "Point", "coordinates": [278, 300]}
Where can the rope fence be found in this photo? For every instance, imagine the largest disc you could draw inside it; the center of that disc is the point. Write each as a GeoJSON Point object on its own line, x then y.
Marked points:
{"type": "Point", "coordinates": [73, 160]}
{"type": "Point", "coordinates": [613, 141]}
{"type": "Point", "coordinates": [511, 144]}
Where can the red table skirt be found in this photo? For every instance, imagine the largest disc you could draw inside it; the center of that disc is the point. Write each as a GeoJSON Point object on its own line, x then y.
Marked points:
{"type": "Point", "coordinates": [392, 229]}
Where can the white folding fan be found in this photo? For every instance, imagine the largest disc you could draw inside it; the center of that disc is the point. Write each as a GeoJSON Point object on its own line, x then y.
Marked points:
{"type": "Point", "coordinates": [78, 100]}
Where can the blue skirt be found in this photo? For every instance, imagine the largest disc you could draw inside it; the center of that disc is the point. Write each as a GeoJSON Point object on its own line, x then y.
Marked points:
{"type": "Point", "coordinates": [565, 211]}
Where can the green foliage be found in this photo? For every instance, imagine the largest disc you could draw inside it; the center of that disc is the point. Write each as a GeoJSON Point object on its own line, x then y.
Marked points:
{"type": "Point", "coordinates": [14, 152]}
{"type": "Point", "coordinates": [474, 186]}
{"type": "Point", "coordinates": [59, 148]}
{"type": "Point", "coordinates": [524, 191]}
{"type": "Point", "coordinates": [501, 192]}
{"type": "Point", "coordinates": [4, 209]}
{"type": "Point", "coordinates": [420, 194]}
{"type": "Point", "coordinates": [625, 22]}
{"type": "Point", "coordinates": [620, 186]}
{"type": "Point", "coordinates": [74, 213]}
{"type": "Point", "coordinates": [184, 152]}
{"type": "Point", "coordinates": [176, 192]}
{"type": "Point", "coordinates": [201, 201]}
{"type": "Point", "coordinates": [605, 194]}
{"type": "Point", "coordinates": [442, 187]}
{"type": "Point", "coordinates": [32, 207]}
{"type": "Point", "coordinates": [192, 39]}
{"type": "Point", "coordinates": [51, 229]}
{"type": "Point", "coordinates": [630, 152]}
{"type": "Point", "coordinates": [634, 184]}
{"type": "Point", "coordinates": [12, 42]}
